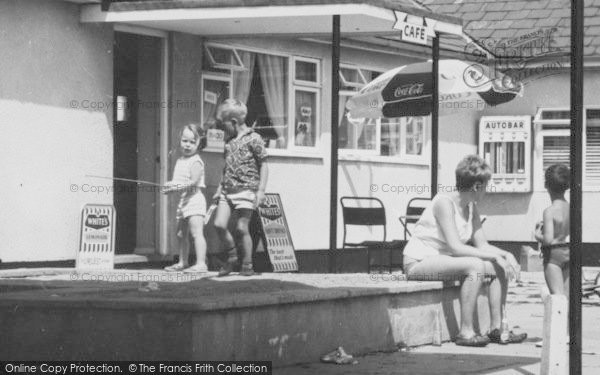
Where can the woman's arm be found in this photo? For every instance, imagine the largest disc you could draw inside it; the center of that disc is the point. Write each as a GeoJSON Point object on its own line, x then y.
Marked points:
{"type": "Point", "coordinates": [443, 211]}
{"type": "Point", "coordinates": [481, 243]}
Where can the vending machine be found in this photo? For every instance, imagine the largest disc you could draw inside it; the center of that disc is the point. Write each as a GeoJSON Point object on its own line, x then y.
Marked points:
{"type": "Point", "coordinates": [505, 144]}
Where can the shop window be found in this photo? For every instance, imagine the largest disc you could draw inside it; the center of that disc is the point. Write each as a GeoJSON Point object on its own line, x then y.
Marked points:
{"type": "Point", "coordinates": [282, 93]}
{"type": "Point", "coordinates": [553, 144]}
{"type": "Point", "coordinates": [402, 139]}
{"type": "Point", "coordinates": [215, 89]}
{"type": "Point", "coordinates": [305, 109]}
{"type": "Point", "coordinates": [357, 136]}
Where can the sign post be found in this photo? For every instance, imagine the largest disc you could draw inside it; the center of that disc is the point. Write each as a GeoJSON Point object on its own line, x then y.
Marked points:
{"type": "Point", "coordinates": [276, 235]}
{"type": "Point", "coordinates": [97, 238]}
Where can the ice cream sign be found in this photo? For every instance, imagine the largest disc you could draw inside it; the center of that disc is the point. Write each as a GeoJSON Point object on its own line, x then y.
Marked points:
{"type": "Point", "coordinates": [413, 29]}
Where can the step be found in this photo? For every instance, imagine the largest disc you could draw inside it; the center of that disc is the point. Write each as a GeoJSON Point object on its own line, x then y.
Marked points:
{"type": "Point", "coordinates": [284, 318]}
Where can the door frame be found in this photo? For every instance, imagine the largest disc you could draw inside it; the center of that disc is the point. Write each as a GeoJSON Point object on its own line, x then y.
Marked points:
{"type": "Point", "coordinates": [163, 135]}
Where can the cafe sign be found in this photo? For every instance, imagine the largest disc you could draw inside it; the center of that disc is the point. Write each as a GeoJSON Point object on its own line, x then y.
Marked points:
{"type": "Point", "coordinates": [413, 29]}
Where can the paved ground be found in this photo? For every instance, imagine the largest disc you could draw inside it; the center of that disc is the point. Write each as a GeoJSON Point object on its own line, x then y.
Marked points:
{"type": "Point", "coordinates": [525, 312]}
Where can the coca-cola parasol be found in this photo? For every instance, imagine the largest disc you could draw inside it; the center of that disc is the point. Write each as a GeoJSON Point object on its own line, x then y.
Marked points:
{"type": "Point", "coordinates": [407, 90]}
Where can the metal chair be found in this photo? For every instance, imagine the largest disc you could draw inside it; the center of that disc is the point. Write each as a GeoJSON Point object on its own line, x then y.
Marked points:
{"type": "Point", "coordinates": [369, 212]}
{"type": "Point", "coordinates": [414, 210]}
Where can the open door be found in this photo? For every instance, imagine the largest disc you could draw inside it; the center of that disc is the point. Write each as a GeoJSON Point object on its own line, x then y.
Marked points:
{"type": "Point", "coordinates": [137, 85]}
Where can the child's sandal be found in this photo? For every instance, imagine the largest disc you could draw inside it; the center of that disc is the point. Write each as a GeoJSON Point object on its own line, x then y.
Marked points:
{"type": "Point", "coordinates": [198, 268]}
{"type": "Point", "coordinates": [177, 267]}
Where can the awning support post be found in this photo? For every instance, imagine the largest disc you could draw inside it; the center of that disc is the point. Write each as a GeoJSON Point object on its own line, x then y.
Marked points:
{"type": "Point", "coordinates": [335, 102]}
{"type": "Point", "coordinates": [435, 113]}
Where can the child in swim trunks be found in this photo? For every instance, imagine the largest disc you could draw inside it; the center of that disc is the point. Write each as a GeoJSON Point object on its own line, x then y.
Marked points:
{"type": "Point", "coordinates": [553, 232]}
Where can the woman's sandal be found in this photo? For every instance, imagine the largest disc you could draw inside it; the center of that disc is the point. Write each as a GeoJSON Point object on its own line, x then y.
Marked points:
{"type": "Point", "coordinates": [513, 338]}
{"type": "Point", "coordinates": [475, 340]}
{"type": "Point", "coordinates": [177, 267]}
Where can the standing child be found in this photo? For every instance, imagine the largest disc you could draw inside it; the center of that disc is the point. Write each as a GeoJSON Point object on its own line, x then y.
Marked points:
{"type": "Point", "coordinates": [553, 232]}
{"type": "Point", "coordinates": [242, 186]}
{"type": "Point", "coordinates": [188, 179]}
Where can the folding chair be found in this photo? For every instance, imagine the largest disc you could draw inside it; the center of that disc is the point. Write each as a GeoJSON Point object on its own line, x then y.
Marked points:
{"type": "Point", "coordinates": [414, 210]}
{"type": "Point", "coordinates": [368, 212]}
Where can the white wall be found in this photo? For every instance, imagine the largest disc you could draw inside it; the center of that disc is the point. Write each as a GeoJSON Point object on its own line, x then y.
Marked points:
{"type": "Point", "coordinates": [51, 67]}
{"type": "Point", "coordinates": [512, 217]}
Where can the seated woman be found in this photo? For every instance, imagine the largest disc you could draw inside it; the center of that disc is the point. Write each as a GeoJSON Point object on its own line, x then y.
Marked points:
{"type": "Point", "coordinates": [438, 250]}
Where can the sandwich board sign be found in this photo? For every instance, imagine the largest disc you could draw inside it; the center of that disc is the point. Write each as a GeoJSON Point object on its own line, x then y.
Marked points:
{"type": "Point", "coordinates": [278, 241]}
{"type": "Point", "coordinates": [97, 238]}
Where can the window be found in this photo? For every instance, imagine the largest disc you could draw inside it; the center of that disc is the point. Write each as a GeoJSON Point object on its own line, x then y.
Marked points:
{"type": "Point", "coordinates": [553, 144]}
{"type": "Point", "coordinates": [404, 139]}
{"type": "Point", "coordinates": [282, 93]}
{"type": "Point", "coordinates": [215, 89]}
{"type": "Point", "coordinates": [223, 57]}
{"type": "Point", "coordinates": [357, 135]}
{"type": "Point", "coordinates": [351, 77]}
{"type": "Point", "coordinates": [306, 110]}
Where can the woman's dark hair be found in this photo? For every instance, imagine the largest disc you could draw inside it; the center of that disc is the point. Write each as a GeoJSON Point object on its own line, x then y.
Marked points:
{"type": "Point", "coordinates": [199, 134]}
{"type": "Point", "coordinates": [558, 178]}
{"type": "Point", "coordinates": [470, 171]}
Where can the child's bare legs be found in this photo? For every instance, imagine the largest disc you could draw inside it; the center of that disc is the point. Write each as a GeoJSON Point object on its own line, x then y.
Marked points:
{"type": "Point", "coordinates": [221, 223]}
{"type": "Point", "coordinates": [557, 279]}
{"type": "Point", "coordinates": [242, 229]}
{"type": "Point", "coordinates": [445, 267]}
{"type": "Point", "coordinates": [184, 245]}
{"type": "Point", "coordinates": [566, 276]}
{"type": "Point", "coordinates": [196, 229]}
{"type": "Point", "coordinates": [554, 278]}
{"type": "Point", "coordinates": [182, 242]}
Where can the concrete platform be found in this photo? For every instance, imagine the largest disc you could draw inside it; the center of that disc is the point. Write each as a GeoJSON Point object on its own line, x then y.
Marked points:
{"type": "Point", "coordinates": [284, 318]}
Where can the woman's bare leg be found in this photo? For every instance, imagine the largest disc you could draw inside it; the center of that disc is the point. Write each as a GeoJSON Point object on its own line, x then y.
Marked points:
{"type": "Point", "coordinates": [447, 268]}
{"type": "Point", "coordinates": [498, 289]}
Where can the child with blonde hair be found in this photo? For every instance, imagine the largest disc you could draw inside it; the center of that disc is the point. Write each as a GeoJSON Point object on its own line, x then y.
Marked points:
{"type": "Point", "coordinates": [188, 179]}
{"type": "Point", "coordinates": [242, 186]}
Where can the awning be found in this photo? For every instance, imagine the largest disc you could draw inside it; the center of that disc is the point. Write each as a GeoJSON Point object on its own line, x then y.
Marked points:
{"type": "Point", "coordinates": [261, 17]}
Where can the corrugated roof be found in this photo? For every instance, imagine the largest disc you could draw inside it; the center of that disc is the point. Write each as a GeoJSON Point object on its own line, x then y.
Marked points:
{"type": "Point", "coordinates": [498, 24]}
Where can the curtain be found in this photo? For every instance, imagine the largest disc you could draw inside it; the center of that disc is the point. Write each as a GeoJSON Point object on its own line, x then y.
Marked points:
{"type": "Point", "coordinates": [243, 79]}
{"type": "Point", "coordinates": [272, 75]}
{"type": "Point", "coordinates": [354, 127]}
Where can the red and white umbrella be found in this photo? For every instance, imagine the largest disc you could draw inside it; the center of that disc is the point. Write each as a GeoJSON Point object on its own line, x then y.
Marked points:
{"type": "Point", "coordinates": [407, 90]}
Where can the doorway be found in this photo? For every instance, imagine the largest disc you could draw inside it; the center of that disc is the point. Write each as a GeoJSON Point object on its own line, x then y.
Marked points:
{"type": "Point", "coordinates": [136, 131]}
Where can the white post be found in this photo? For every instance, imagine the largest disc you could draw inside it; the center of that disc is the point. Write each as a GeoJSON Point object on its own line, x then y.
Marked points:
{"type": "Point", "coordinates": [555, 349]}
